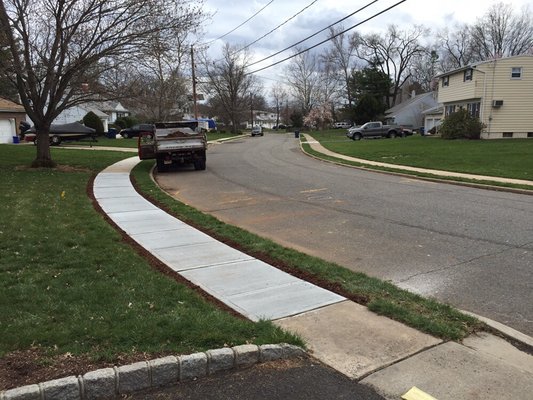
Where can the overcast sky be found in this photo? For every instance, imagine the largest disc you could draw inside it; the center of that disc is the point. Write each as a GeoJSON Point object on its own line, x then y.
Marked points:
{"type": "Point", "coordinates": [228, 14]}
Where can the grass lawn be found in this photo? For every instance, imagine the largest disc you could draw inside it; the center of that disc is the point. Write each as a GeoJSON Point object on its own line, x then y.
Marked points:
{"type": "Point", "coordinates": [503, 158]}
{"type": "Point", "coordinates": [70, 284]}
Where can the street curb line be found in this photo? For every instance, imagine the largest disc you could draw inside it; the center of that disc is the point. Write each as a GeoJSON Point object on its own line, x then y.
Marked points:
{"type": "Point", "coordinates": [398, 171]}
{"type": "Point", "coordinates": [107, 383]}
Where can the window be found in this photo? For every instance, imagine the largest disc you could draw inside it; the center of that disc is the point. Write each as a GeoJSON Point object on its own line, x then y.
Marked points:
{"type": "Point", "coordinates": [467, 75]}
{"type": "Point", "coordinates": [449, 110]}
{"type": "Point", "coordinates": [507, 134]}
{"type": "Point", "coordinates": [473, 109]}
{"type": "Point", "coordinates": [445, 81]}
{"type": "Point", "coordinates": [516, 73]}
{"type": "Point", "coordinates": [530, 134]}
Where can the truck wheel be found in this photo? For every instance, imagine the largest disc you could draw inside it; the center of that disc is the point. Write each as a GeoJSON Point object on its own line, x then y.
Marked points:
{"type": "Point", "coordinates": [161, 166]}
{"type": "Point", "coordinates": [199, 165]}
{"type": "Point", "coordinates": [356, 136]}
{"type": "Point", "coordinates": [56, 140]}
{"type": "Point", "coordinates": [125, 135]}
{"type": "Point", "coordinates": [392, 135]}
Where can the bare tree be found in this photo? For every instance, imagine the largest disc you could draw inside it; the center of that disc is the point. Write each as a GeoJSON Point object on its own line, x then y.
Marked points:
{"type": "Point", "coordinates": [502, 33]}
{"type": "Point", "coordinates": [393, 51]}
{"type": "Point", "coordinates": [67, 45]}
{"type": "Point", "coordinates": [233, 89]}
{"type": "Point", "coordinates": [455, 48]}
{"type": "Point", "coordinates": [159, 87]}
{"type": "Point", "coordinates": [341, 55]}
{"type": "Point", "coordinates": [304, 80]}
{"type": "Point", "coordinates": [424, 69]}
{"type": "Point", "coordinates": [279, 95]}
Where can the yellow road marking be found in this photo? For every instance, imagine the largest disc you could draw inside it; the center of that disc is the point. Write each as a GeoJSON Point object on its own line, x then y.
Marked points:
{"type": "Point", "coordinates": [313, 190]}
{"type": "Point", "coordinates": [416, 394]}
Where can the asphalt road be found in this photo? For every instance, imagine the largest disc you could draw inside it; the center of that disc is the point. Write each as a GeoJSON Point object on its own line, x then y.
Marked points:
{"type": "Point", "coordinates": [469, 247]}
{"type": "Point", "coordinates": [303, 379]}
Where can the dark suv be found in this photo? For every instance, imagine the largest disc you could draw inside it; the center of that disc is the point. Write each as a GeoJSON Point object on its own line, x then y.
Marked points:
{"type": "Point", "coordinates": [135, 130]}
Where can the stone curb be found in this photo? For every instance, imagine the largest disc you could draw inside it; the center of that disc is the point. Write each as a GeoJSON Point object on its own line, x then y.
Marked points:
{"type": "Point", "coordinates": [108, 383]}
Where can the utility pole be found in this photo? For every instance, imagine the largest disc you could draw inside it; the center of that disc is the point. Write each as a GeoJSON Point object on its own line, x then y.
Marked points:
{"type": "Point", "coordinates": [195, 105]}
{"type": "Point", "coordinates": [252, 109]}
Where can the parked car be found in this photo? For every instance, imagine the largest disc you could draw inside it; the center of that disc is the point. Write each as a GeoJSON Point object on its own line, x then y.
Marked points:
{"type": "Point", "coordinates": [136, 130]}
{"type": "Point", "coordinates": [257, 131]}
{"type": "Point", "coordinates": [342, 125]}
{"type": "Point", "coordinates": [375, 129]}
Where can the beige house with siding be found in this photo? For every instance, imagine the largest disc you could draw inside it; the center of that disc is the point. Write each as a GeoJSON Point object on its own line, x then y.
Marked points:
{"type": "Point", "coordinates": [499, 92]}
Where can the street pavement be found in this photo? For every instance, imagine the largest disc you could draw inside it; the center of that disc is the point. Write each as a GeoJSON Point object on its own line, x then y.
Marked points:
{"type": "Point", "coordinates": [383, 354]}
{"type": "Point", "coordinates": [302, 379]}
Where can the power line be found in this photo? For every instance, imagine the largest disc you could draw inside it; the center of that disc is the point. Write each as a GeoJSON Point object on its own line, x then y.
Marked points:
{"type": "Point", "coordinates": [234, 29]}
{"type": "Point", "coordinates": [327, 40]}
{"type": "Point", "coordinates": [277, 27]}
{"type": "Point", "coordinates": [314, 34]}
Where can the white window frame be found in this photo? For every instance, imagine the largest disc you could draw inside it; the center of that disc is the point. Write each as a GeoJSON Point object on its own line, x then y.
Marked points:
{"type": "Point", "coordinates": [516, 71]}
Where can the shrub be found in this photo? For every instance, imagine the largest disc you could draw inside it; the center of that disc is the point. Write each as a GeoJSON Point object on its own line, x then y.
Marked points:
{"type": "Point", "coordinates": [461, 125]}
{"type": "Point", "coordinates": [93, 121]}
{"type": "Point", "coordinates": [125, 122]}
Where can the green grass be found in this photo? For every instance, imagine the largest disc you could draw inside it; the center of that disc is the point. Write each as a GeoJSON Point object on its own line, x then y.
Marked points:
{"type": "Point", "coordinates": [69, 283]}
{"type": "Point", "coordinates": [502, 158]}
{"type": "Point", "coordinates": [382, 297]}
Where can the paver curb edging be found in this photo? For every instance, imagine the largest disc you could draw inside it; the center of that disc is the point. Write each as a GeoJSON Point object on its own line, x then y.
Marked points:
{"type": "Point", "coordinates": [108, 383]}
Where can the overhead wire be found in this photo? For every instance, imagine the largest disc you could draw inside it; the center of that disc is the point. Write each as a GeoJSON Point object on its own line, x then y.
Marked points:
{"type": "Point", "coordinates": [234, 29]}
{"type": "Point", "coordinates": [314, 34]}
{"type": "Point", "coordinates": [277, 27]}
{"type": "Point", "coordinates": [324, 41]}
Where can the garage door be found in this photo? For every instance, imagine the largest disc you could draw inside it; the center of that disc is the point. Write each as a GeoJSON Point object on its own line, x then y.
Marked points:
{"type": "Point", "coordinates": [6, 131]}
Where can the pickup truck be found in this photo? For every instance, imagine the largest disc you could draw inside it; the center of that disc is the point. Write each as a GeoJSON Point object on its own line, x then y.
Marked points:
{"type": "Point", "coordinates": [174, 143]}
{"type": "Point", "coordinates": [375, 129]}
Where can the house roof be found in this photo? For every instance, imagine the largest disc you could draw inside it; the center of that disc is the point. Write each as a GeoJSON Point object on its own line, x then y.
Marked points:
{"type": "Point", "coordinates": [474, 65]}
{"type": "Point", "coordinates": [408, 102]}
{"type": "Point", "coordinates": [111, 106]}
{"type": "Point", "coordinates": [434, 110]}
{"type": "Point", "coordinates": [9, 106]}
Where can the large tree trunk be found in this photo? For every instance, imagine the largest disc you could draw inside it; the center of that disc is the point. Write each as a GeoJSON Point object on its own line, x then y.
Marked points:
{"type": "Point", "coordinates": [44, 157]}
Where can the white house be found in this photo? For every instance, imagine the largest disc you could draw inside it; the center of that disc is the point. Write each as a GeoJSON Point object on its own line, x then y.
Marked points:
{"type": "Point", "coordinates": [107, 111]}
{"type": "Point", "coordinates": [410, 112]}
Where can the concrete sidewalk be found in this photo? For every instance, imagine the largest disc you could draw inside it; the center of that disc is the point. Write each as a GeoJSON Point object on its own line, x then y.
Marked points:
{"type": "Point", "coordinates": [387, 355]}
{"type": "Point", "coordinates": [316, 146]}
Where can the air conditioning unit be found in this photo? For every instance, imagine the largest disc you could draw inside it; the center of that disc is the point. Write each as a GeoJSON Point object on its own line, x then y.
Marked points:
{"type": "Point", "coordinates": [497, 103]}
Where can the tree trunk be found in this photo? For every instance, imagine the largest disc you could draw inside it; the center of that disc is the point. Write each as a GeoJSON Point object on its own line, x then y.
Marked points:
{"type": "Point", "coordinates": [44, 157]}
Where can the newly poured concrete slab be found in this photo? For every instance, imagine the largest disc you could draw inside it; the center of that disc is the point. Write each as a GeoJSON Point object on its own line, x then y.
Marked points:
{"type": "Point", "coordinates": [181, 236]}
{"type": "Point", "coordinates": [251, 287]}
{"type": "Point", "coordinates": [123, 204]}
{"type": "Point", "coordinates": [282, 301]}
{"type": "Point", "coordinates": [237, 278]}
{"type": "Point", "coordinates": [355, 341]}
{"type": "Point", "coordinates": [199, 255]}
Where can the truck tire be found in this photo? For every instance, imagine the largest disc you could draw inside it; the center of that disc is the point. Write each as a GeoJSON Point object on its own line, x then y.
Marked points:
{"type": "Point", "coordinates": [161, 166]}
{"type": "Point", "coordinates": [392, 135]}
{"type": "Point", "coordinates": [356, 136]}
{"type": "Point", "coordinates": [55, 140]}
{"type": "Point", "coordinates": [199, 165]}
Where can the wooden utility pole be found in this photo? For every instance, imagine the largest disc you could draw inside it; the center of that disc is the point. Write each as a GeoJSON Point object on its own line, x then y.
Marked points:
{"type": "Point", "coordinates": [195, 105]}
